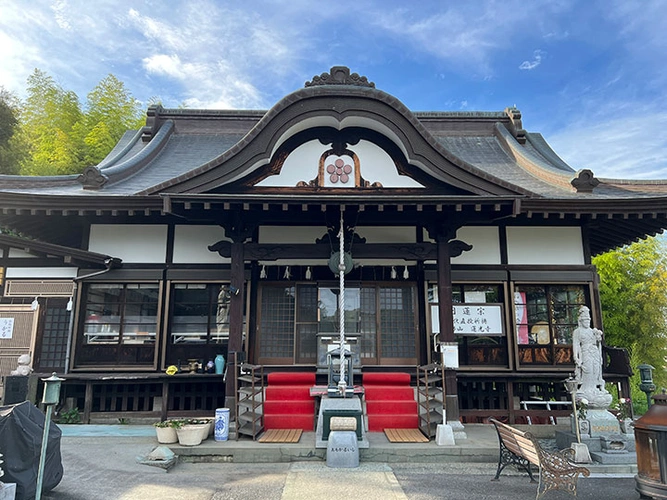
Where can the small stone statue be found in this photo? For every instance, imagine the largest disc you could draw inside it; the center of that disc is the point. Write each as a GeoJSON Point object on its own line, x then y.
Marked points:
{"type": "Point", "coordinates": [24, 367]}
{"type": "Point", "coordinates": [587, 351]}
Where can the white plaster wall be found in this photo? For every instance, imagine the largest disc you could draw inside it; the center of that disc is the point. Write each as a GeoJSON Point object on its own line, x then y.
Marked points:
{"type": "Point", "coordinates": [485, 243]}
{"type": "Point", "coordinates": [385, 234]}
{"type": "Point", "coordinates": [375, 164]}
{"type": "Point", "coordinates": [290, 234]}
{"type": "Point", "coordinates": [301, 165]}
{"type": "Point", "coordinates": [41, 272]}
{"type": "Point", "coordinates": [131, 242]}
{"type": "Point", "coordinates": [15, 252]}
{"type": "Point", "coordinates": [545, 245]}
{"type": "Point", "coordinates": [191, 244]}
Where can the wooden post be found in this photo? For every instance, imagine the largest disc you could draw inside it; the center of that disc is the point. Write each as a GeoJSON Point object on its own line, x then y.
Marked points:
{"type": "Point", "coordinates": [446, 322]}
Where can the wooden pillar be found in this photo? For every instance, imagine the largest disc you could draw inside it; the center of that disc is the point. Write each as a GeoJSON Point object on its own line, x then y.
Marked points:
{"type": "Point", "coordinates": [446, 322]}
{"type": "Point", "coordinates": [238, 232]}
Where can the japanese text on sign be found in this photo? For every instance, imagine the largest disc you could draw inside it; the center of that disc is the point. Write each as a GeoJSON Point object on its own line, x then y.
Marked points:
{"type": "Point", "coordinates": [478, 319]}
{"type": "Point", "coordinates": [6, 328]}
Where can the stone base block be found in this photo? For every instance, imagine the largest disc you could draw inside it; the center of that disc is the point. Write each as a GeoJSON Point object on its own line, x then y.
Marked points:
{"type": "Point", "coordinates": [7, 491]}
{"type": "Point", "coordinates": [444, 435]}
{"type": "Point", "coordinates": [581, 454]}
{"type": "Point", "coordinates": [342, 450]}
{"type": "Point", "coordinates": [614, 458]}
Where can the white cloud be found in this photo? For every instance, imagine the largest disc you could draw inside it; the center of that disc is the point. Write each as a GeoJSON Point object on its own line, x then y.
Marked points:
{"type": "Point", "coordinates": [470, 34]}
{"type": "Point", "coordinates": [537, 60]}
{"type": "Point", "coordinates": [60, 10]}
{"type": "Point", "coordinates": [630, 145]}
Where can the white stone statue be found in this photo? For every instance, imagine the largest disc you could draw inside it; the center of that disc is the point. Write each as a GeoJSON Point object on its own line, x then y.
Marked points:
{"type": "Point", "coordinates": [24, 367]}
{"type": "Point", "coordinates": [587, 351]}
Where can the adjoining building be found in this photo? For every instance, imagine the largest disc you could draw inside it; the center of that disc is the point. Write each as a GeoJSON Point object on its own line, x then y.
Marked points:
{"type": "Point", "coordinates": [212, 232]}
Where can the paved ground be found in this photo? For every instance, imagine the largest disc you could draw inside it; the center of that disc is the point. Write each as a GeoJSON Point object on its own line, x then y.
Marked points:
{"type": "Point", "coordinates": [107, 469]}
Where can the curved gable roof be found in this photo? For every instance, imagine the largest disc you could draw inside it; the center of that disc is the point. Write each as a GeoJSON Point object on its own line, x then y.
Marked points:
{"type": "Point", "coordinates": [338, 107]}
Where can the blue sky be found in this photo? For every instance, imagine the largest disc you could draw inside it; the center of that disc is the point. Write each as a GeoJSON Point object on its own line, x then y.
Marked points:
{"type": "Point", "coordinates": [591, 76]}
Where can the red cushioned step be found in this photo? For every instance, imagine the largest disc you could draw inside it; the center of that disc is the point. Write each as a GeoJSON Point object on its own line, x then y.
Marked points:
{"type": "Point", "coordinates": [390, 407]}
{"type": "Point", "coordinates": [288, 392]}
{"type": "Point", "coordinates": [281, 421]}
{"type": "Point", "coordinates": [378, 423]}
{"type": "Point", "coordinates": [291, 378]}
{"type": "Point", "coordinates": [291, 407]}
{"type": "Point", "coordinates": [392, 378]}
{"type": "Point", "coordinates": [388, 393]}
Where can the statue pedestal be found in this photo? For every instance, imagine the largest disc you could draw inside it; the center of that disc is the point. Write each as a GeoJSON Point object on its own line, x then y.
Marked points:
{"type": "Point", "coordinates": [605, 442]}
{"type": "Point", "coordinates": [602, 423]}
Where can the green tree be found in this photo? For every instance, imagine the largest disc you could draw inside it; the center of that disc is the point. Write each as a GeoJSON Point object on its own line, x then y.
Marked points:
{"type": "Point", "coordinates": [49, 115]}
{"type": "Point", "coordinates": [633, 292]}
{"type": "Point", "coordinates": [110, 112]}
{"type": "Point", "coordinates": [12, 148]}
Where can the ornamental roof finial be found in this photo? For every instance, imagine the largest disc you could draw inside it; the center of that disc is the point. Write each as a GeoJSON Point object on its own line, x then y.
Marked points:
{"type": "Point", "coordinates": [340, 75]}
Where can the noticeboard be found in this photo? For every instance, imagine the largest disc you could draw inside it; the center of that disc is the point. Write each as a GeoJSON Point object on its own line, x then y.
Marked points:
{"type": "Point", "coordinates": [478, 319]}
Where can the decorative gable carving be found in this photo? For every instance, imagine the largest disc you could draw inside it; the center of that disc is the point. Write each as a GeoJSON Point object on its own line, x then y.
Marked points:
{"type": "Point", "coordinates": [340, 75]}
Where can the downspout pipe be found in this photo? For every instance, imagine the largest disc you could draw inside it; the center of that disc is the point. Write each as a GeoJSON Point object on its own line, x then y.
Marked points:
{"type": "Point", "coordinates": [109, 264]}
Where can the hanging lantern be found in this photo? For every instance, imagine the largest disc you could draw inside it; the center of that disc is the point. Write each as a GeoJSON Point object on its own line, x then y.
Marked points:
{"type": "Point", "coordinates": [394, 275]}
{"type": "Point", "coordinates": [406, 273]}
{"type": "Point", "coordinates": [262, 273]}
{"type": "Point", "coordinates": [309, 274]}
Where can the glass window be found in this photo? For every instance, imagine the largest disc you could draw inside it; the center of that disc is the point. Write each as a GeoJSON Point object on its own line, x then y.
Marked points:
{"type": "Point", "coordinates": [200, 313]}
{"type": "Point", "coordinates": [121, 313]}
{"type": "Point", "coordinates": [473, 349]}
{"type": "Point", "coordinates": [545, 317]}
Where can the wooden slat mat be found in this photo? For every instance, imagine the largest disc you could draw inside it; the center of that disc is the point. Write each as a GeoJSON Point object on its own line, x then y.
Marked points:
{"type": "Point", "coordinates": [405, 436]}
{"type": "Point", "coordinates": [281, 436]}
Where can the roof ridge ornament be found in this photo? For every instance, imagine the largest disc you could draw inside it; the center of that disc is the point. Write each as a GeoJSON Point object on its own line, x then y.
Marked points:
{"type": "Point", "coordinates": [584, 181]}
{"type": "Point", "coordinates": [340, 75]}
{"type": "Point", "coordinates": [516, 125]}
{"type": "Point", "coordinates": [92, 178]}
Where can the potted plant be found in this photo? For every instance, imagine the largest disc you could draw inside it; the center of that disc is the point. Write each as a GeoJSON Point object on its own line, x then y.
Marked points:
{"type": "Point", "coordinates": [624, 414]}
{"type": "Point", "coordinates": [191, 433]}
{"type": "Point", "coordinates": [166, 432]}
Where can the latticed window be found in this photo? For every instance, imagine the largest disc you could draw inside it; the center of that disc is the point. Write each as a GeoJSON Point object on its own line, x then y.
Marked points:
{"type": "Point", "coordinates": [277, 322]}
{"type": "Point", "coordinates": [397, 316]}
{"type": "Point", "coordinates": [382, 318]}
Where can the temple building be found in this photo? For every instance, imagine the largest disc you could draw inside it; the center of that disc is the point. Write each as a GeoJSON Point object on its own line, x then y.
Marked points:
{"type": "Point", "coordinates": [218, 232]}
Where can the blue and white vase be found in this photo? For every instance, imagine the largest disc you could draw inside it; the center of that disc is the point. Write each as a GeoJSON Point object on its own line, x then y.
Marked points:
{"type": "Point", "coordinates": [221, 424]}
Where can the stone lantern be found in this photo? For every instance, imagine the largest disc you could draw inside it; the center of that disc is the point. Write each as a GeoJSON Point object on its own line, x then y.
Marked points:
{"type": "Point", "coordinates": [651, 439]}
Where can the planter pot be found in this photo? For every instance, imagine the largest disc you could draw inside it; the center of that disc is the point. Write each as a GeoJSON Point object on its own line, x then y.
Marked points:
{"type": "Point", "coordinates": [166, 435]}
{"type": "Point", "coordinates": [191, 434]}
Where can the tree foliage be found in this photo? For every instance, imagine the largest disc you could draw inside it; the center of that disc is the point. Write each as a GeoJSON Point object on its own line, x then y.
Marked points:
{"type": "Point", "coordinates": [64, 138]}
{"type": "Point", "coordinates": [633, 292]}
{"type": "Point", "coordinates": [12, 148]}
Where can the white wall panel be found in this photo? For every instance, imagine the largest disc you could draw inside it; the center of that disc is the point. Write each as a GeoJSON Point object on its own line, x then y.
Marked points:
{"type": "Point", "coordinates": [131, 242]}
{"type": "Point", "coordinates": [545, 245]}
{"type": "Point", "coordinates": [485, 243]}
{"type": "Point", "coordinates": [290, 234]}
{"type": "Point", "coordinates": [41, 272]}
{"type": "Point", "coordinates": [386, 234]}
{"type": "Point", "coordinates": [191, 244]}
